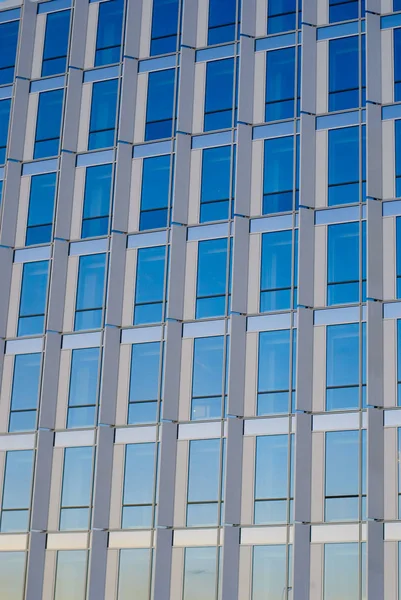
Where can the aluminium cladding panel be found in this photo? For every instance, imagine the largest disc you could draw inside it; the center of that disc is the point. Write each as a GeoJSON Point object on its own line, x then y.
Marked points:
{"type": "Point", "coordinates": [308, 68]}
{"type": "Point", "coordinates": [78, 35]}
{"type": "Point", "coordinates": [42, 480]}
{"type": "Point", "coordinates": [163, 565]}
{"type": "Point", "coordinates": [72, 110]}
{"type": "Point", "coordinates": [103, 478]}
{"type": "Point", "coordinates": [128, 95]}
{"type": "Point", "coordinates": [26, 40]}
{"type": "Point", "coordinates": [182, 175]}
{"type": "Point", "coordinates": [122, 186]}
{"type": "Point", "coordinates": [133, 28]}
{"type": "Point", "coordinates": [373, 55]}
{"type": "Point", "coordinates": [308, 161]}
{"type": "Point", "coordinates": [35, 572]}
{"type": "Point", "coordinates": [243, 183]}
{"type": "Point", "coordinates": [97, 565]}
{"type": "Point", "coordinates": [10, 206]}
{"type": "Point", "coordinates": [233, 473]}
{"type": "Point", "coordinates": [65, 196]}
{"type": "Point", "coordinates": [109, 384]}
{"type": "Point", "coordinates": [115, 284]}
{"type": "Point", "coordinates": [306, 248]}
{"type": "Point", "coordinates": [374, 147]}
{"type": "Point", "coordinates": [186, 90]}
{"type": "Point", "coordinates": [57, 285]}
{"type": "Point", "coordinates": [236, 382]}
{"type": "Point", "coordinates": [167, 472]}
{"type": "Point", "coordinates": [231, 563]}
{"type": "Point", "coordinates": [50, 380]}
{"type": "Point", "coordinates": [240, 262]}
{"type": "Point", "coordinates": [173, 370]}
{"type": "Point", "coordinates": [246, 78]}
{"type": "Point", "coordinates": [6, 269]}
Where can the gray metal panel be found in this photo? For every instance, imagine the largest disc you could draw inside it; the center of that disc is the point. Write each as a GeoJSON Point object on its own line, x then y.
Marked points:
{"type": "Point", "coordinates": [6, 266]}
{"type": "Point", "coordinates": [36, 565]}
{"type": "Point", "coordinates": [115, 284]}
{"type": "Point", "coordinates": [240, 265]}
{"type": "Point", "coordinates": [110, 363]}
{"type": "Point", "coordinates": [233, 475]}
{"type": "Point", "coordinates": [10, 204]}
{"type": "Point", "coordinates": [72, 110]}
{"type": "Point", "coordinates": [374, 248]}
{"type": "Point", "coordinates": [306, 247]}
{"type": "Point", "coordinates": [373, 6]}
{"type": "Point", "coordinates": [302, 466]}
{"type": "Point", "coordinates": [172, 366]}
{"type": "Point", "coordinates": [97, 566]}
{"type": "Point", "coordinates": [49, 387]}
{"type": "Point", "coordinates": [189, 23]}
{"type": "Point", "coordinates": [182, 175]}
{"type": "Point", "coordinates": [246, 78]}
{"type": "Point", "coordinates": [65, 196]}
{"type": "Point", "coordinates": [304, 357]}
{"type": "Point", "coordinates": [186, 90]}
{"type": "Point", "coordinates": [375, 464]}
{"type": "Point", "coordinates": [122, 186]}
{"type": "Point", "coordinates": [243, 171]}
{"type": "Point", "coordinates": [167, 466]}
{"type": "Point", "coordinates": [301, 566]}
{"type": "Point", "coordinates": [374, 353]}
{"type": "Point", "coordinates": [248, 17]}
{"type": "Point", "coordinates": [177, 272]}
{"type": "Point", "coordinates": [162, 565]}
{"type": "Point", "coordinates": [26, 40]}
{"type": "Point", "coordinates": [307, 165]}
{"type": "Point", "coordinates": [133, 29]}
{"type": "Point", "coordinates": [231, 554]}
{"type": "Point", "coordinates": [374, 165]}
{"type": "Point", "coordinates": [308, 67]}
{"type": "Point", "coordinates": [57, 287]}
{"type": "Point", "coordinates": [18, 119]}
{"type": "Point", "coordinates": [78, 34]}
{"type": "Point", "coordinates": [375, 560]}
{"type": "Point", "coordinates": [43, 472]}
{"type": "Point", "coordinates": [309, 12]}
{"type": "Point", "coordinates": [373, 54]}
{"type": "Point", "coordinates": [236, 385]}
{"type": "Point", "coordinates": [102, 485]}
{"type": "Point", "coordinates": [128, 96]}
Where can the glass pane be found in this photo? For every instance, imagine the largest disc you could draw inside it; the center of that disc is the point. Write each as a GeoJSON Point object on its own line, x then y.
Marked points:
{"type": "Point", "coordinates": [71, 575]}
{"type": "Point", "coordinates": [18, 479]}
{"type": "Point", "coordinates": [269, 573]}
{"type": "Point", "coordinates": [341, 571]}
{"type": "Point", "coordinates": [139, 481]}
{"type": "Point", "coordinates": [77, 477]}
{"type": "Point", "coordinates": [134, 574]}
{"type": "Point", "coordinates": [200, 574]}
{"type": "Point", "coordinates": [26, 381]}
{"type": "Point", "coordinates": [12, 571]}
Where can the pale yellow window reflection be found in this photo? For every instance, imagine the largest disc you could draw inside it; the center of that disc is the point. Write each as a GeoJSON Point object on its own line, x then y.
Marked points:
{"type": "Point", "coordinates": [71, 575]}
{"type": "Point", "coordinates": [12, 575]}
{"type": "Point", "coordinates": [134, 574]}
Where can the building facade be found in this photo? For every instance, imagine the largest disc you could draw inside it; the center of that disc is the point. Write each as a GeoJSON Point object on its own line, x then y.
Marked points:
{"type": "Point", "coordinates": [200, 324]}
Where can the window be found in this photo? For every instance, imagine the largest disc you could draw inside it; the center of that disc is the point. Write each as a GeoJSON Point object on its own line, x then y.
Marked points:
{"type": "Point", "coordinates": [150, 285]}
{"type": "Point", "coordinates": [76, 494]}
{"type": "Point", "coordinates": [33, 298]}
{"type": "Point", "coordinates": [211, 295]}
{"type": "Point", "coordinates": [25, 392]}
{"type": "Point", "coordinates": [282, 15]}
{"type": "Point", "coordinates": [95, 219]}
{"type": "Point", "coordinates": [84, 387]}
{"type": "Point", "coordinates": [345, 268]}
{"type": "Point", "coordinates": [145, 383]}
{"type": "Point", "coordinates": [223, 19]}
{"type": "Point", "coordinates": [345, 453]}
{"type": "Point", "coordinates": [134, 574]}
{"type": "Point", "coordinates": [12, 574]}
{"type": "Point", "coordinates": [343, 564]}
{"type": "Point", "coordinates": [270, 576]}
{"type": "Point", "coordinates": [17, 489]}
{"type": "Point", "coordinates": [217, 187]}
{"type": "Point", "coordinates": [164, 27]}
{"type": "Point", "coordinates": [160, 105]}
{"type": "Point", "coordinates": [273, 479]}
{"type": "Point", "coordinates": [71, 575]}
{"type": "Point", "coordinates": [155, 195]}
{"type": "Point", "coordinates": [347, 165]}
{"type": "Point", "coordinates": [274, 372]}
{"type": "Point", "coordinates": [280, 84]}
{"type": "Point", "coordinates": [8, 50]}
{"type": "Point", "coordinates": [399, 363]}
{"type": "Point", "coordinates": [41, 209]}
{"type": "Point", "coordinates": [207, 377]}
{"type": "Point", "coordinates": [48, 124]}
{"type": "Point", "coordinates": [139, 486]}
{"type": "Point", "coordinates": [103, 114]}
{"type": "Point", "coordinates": [278, 281]}
{"type": "Point", "coordinates": [5, 106]}
{"type": "Point", "coordinates": [204, 483]}
{"type": "Point", "coordinates": [399, 469]}
{"type": "Point", "coordinates": [345, 69]}
{"type": "Point", "coordinates": [90, 292]}
{"type": "Point", "coordinates": [109, 33]}
{"type": "Point", "coordinates": [200, 573]}
{"type": "Point", "coordinates": [345, 10]}
{"type": "Point", "coordinates": [397, 154]}
{"type": "Point", "coordinates": [345, 366]}
{"type": "Point", "coordinates": [55, 48]}
{"type": "Point", "coordinates": [397, 63]}
{"type": "Point", "coordinates": [281, 175]}
{"type": "Point", "coordinates": [398, 255]}
{"type": "Point", "coordinates": [219, 95]}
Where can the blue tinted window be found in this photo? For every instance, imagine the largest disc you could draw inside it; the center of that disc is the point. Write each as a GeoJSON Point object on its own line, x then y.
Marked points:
{"type": "Point", "coordinates": [212, 278]}
{"type": "Point", "coordinates": [164, 27]}
{"type": "Point", "coordinates": [139, 486]}
{"type": "Point", "coordinates": [17, 488]}
{"type": "Point", "coordinates": [155, 196]}
{"type": "Point", "coordinates": [41, 209]}
{"type": "Point", "coordinates": [103, 114]}
{"type": "Point", "coordinates": [341, 571]}
{"type": "Point", "coordinates": [219, 97]}
{"type": "Point", "coordinates": [200, 573]}
{"type": "Point", "coordinates": [278, 270]}
{"type": "Point", "coordinates": [144, 390]}
{"type": "Point", "coordinates": [25, 392]}
{"type": "Point", "coordinates": [344, 73]}
{"type": "Point", "coordinates": [90, 292]}
{"type": "Point", "coordinates": [204, 476]}
{"type": "Point", "coordinates": [77, 488]}
{"type": "Point", "coordinates": [396, 5]}
{"type": "Point", "coordinates": [216, 187]}
{"type": "Point", "coordinates": [345, 366]}
{"type": "Point", "coordinates": [269, 572]}
{"type": "Point", "coordinates": [48, 124]}
{"type": "Point", "coordinates": [344, 264]}
{"type": "Point", "coordinates": [71, 575]}
{"type": "Point", "coordinates": [399, 367]}
{"type": "Point", "coordinates": [160, 106]}
{"type": "Point", "coordinates": [12, 574]}
{"type": "Point", "coordinates": [272, 481]}
{"type": "Point", "coordinates": [8, 50]}
{"type": "Point", "coordinates": [134, 574]}
{"type": "Point", "coordinates": [398, 255]}
{"type": "Point", "coordinates": [5, 106]}
{"type": "Point", "coordinates": [33, 298]}
{"type": "Point", "coordinates": [83, 395]}
{"type": "Point", "coordinates": [278, 175]}
{"type": "Point", "coordinates": [150, 285]}
{"type": "Point", "coordinates": [222, 21]}
{"type": "Point", "coordinates": [397, 64]}
{"type": "Point", "coordinates": [342, 483]}
{"type": "Point", "coordinates": [280, 84]}
{"type": "Point", "coordinates": [274, 371]}
{"type": "Point", "coordinates": [345, 159]}
{"type": "Point", "coordinates": [207, 378]}
{"type": "Point", "coordinates": [397, 157]}
{"type": "Point", "coordinates": [281, 15]}
{"type": "Point", "coordinates": [109, 32]}
{"type": "Point", "coordinates": [56, 43]}
{"type": "Point", "coordinates": [345, 10]}
{"type": "Point", "coordinates": [95, 219]}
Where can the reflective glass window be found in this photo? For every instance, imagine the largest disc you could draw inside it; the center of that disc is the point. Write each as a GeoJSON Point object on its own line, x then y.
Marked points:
{"type": "Point", "coordinates": [76, 496]}
{"type": "Point", "coordinates": [282, 15]}
{"type": "Point", "coordinates": [207, 378]}
{"type": "Point", "coordinates": [275, 376]}
{"type": "Point", "coordinates": [345, 10]}
{"type": "Point", "coordinates": [33, 298]}
{"type": "Point", "coordinates": [84, 378]}
{"type": "Point", "coordinates": [71, 575]}
{"type": "Point", "coordinates": [280, 175]}
{"type": "Point", "coordinates": [98, 183]}
{"type": "Point", "coordinates": [269, 573]}
{"type": "Point", "coordinates": [17, 490]}
{"type": "Point", "coordinates": [345, 73]}
{"type": "Point", "coordinates": [396, 5]}
{"type": "Point", "coordinates": [200, 573]}
{"type": "Point", "coordinates": [346, 272]}
{"type": "Point", "coordinates": [150, 285]}
{"type": "Point", "coordinates": [8, 50]}
{"type": "Point", "coordinates": [55, 48]}
{"type": "Point", "coordinates": [347, 163]}
{"type": "Point", "coordinates": [41, 209]}
{"type": "Point", "coordinates": [12, 574]}
{"type": "Point", "coordinates": [217, 185]}
{"type": "Point", "coordinates": [219, 95]}
{"type": "Point", "coordinates": [109, 32]}
{"type": "Point", "coordinates": [160, 105]}
{"type": "Point", "coordinates": [397, 153]}
{"type": "Point", "coordinates": [222, 21]}
{"type": "Point", "coordinates": [139, 486]}
{"type": "Point", "coordinates": [211, 296]}
{"type": "Point", "coordinates": [90, 291]}
{"type": "Point", "coordinates": [5, 106]}
{"type": "Point", "coordinates": [103, 114]}
{"type": "Point", "coordinates": [164, 27]}
{"type": "Point", "coordinates": [278, 279]}
{"type": "Point", "coordinates": [134, 574]}
{"type": "Point", "coordinates": [280, 84]}
{"type": "Point", "coordinates": [341, 571]}
{"type": "Point", "coordinates": [25, 392]}
{"type": "Point", "coordinates": [204, 480]}
{"type": "Point", "coordinates": [48, 124]}
{"type": "Point", "coordinates": [155, 194]}
{"type": "Point", "coordinates": [399, 362]}
{"type": "Point", "coordinates": [145, 383]}
{"type": "Point", "coordinates": [397, 63]}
